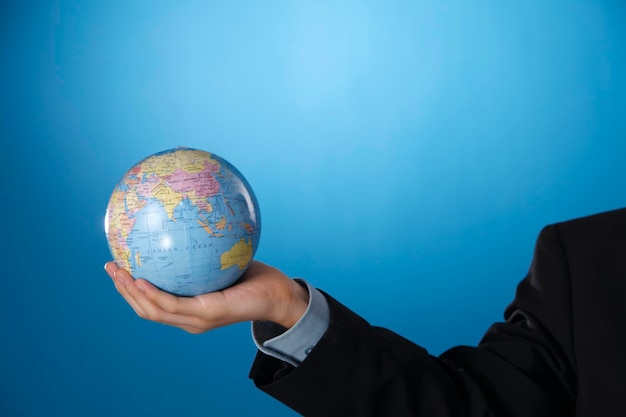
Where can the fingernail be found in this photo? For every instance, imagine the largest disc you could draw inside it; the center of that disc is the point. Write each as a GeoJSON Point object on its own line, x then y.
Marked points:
{"type": "Point", "coordinates": [141, 287]}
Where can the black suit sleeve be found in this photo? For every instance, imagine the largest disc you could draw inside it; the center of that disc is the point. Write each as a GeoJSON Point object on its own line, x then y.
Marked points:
{"type": "Point", "coordinates": [522, 367]}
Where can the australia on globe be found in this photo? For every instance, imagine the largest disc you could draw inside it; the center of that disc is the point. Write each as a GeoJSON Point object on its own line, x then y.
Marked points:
{"type": "Point", "coordinates": [184, 219]}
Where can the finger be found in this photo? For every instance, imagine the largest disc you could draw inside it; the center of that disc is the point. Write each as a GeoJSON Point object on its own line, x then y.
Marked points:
{"type": "Point", "coordinates": [121, 284]}
{"type": "Point", "coordinates": [125, 285]}
{"type": "Point", "coordinates": [110, 268]}
{"type": "Point", "coordinates": [163, 300]}
{"type": "Point", "coordinates": [149, 301]}
{"type": "Point", "coordinates": [189, 307]}
{"type": "Point", "coordinates": [151, 312]}
{"type": "Point", "coordinates": [192, 330]}
{"type": "Point", "coordinates": [173, 310]}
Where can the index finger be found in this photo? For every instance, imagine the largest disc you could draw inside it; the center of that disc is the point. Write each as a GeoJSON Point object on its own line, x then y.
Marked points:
{"type": "Point", "coordinates": [110, 268]}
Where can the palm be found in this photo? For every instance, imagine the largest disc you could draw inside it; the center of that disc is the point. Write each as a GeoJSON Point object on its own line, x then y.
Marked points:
{"type": "Point", "coordinates": [254, 297]}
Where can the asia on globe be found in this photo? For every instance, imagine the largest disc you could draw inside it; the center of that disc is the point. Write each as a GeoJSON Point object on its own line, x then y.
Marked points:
{"type": "Point", "coordinates": [184, 219]}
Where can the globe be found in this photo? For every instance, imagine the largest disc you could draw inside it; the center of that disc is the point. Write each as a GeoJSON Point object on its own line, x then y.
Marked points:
{"type": "Point", "coordinates": [184, 219]}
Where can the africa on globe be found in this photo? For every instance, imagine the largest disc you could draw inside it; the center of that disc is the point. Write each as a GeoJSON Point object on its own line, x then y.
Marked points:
{"type": "Point", "coordinates": [184, 219]}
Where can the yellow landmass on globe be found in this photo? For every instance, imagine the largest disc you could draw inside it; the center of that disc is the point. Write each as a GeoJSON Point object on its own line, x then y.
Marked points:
{"type": "Point", "coordinates": [165, 165]}
{"type": "Point", "coordinates": [133, 204]}
{"type": "Point", "coordinates": [221, 223]}
{"type": "Point", "coordinates": [122, 257]}
{"type": "Point", "coordinates": [248, 227]}
{"type": "Point", "coordinates": [161, 165]}
{"type": "Point", "coordinates": [169, 198]}
{"type": "Point", "coordinates": [196, 164]}
{"type": "Point", "coordinates": [138, 259]}
{"type": "Point", "coordinates": [240, 254]}
{"type": "Point", "coordinates": [208, 229]}
{"type": "Point", "coordinates": [118, 226]}
{"type": "Point", "coordinates": [202, 203]}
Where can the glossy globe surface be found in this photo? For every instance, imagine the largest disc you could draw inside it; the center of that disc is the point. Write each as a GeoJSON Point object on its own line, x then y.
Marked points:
{"type": "Point", "coordinates": [184, 219]}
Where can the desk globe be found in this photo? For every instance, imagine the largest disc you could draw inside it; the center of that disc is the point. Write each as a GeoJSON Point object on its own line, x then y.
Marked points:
{"type": "Point", "coordinates": [184, 219]}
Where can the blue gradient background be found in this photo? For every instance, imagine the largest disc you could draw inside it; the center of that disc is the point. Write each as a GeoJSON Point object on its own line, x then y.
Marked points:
{"type": "Point", "coordinates": [405, 156]}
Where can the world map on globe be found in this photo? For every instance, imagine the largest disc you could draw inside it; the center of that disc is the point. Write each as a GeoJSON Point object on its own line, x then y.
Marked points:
{"type": "Point", "coordinates": [184, 219]}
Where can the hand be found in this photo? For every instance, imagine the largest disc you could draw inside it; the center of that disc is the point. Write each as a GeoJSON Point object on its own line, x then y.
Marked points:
{"type": "Point", "coordinates": [263, 293]}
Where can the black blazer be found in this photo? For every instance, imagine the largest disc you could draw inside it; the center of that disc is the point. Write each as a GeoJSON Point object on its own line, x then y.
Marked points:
{"type": "Point", "coordinates": [560, 352]}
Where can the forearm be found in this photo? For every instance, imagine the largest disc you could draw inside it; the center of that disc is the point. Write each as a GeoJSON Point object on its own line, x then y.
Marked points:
{"type": "Point", "coordinates": [361, 370]}
{"type": "Point", "coordinates": [523, 367]}
{"type": "Point", "coordinates": [357, 370]}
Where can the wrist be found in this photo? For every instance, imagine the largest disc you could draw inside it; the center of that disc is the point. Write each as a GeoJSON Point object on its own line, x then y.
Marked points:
{"type": "Point", "coordinates": [296, 305]}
